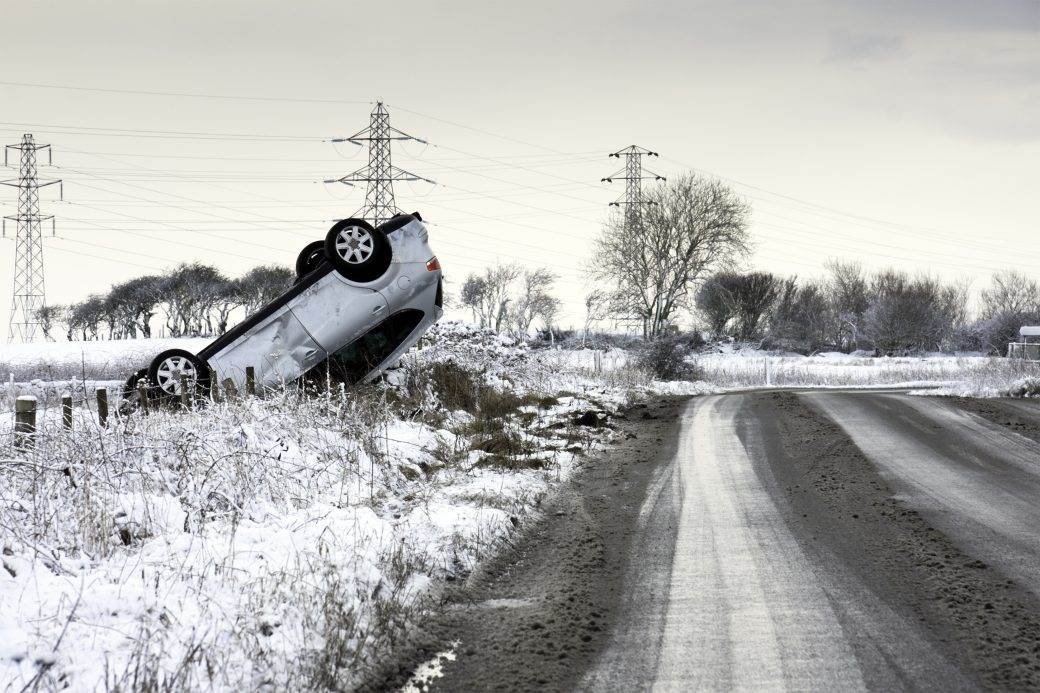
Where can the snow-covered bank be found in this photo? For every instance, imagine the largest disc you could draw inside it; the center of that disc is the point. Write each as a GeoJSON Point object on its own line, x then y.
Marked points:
{"type": "Point", "coordinates": [277, 543]}
{"type": "Point", "coordinates": [1009, 384]}
{"type": "Point", "coordinates": [755, 369]}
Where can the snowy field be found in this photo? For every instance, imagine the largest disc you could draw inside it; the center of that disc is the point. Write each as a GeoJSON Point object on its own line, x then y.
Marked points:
{"type": "Point", "coordinates": [755, 369]}
{"type": "Point", "coordinates": [278, 543]}
{"type": "Point", "coordinates": [728, 368]}
{"type": "Point", "coordinates": [967, 375]}
{"type": "Point", "coordinates": [93, 360]}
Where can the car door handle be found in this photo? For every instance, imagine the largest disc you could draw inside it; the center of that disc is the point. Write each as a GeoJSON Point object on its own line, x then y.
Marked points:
{"type": "Point", "coordinates": [377, 309]}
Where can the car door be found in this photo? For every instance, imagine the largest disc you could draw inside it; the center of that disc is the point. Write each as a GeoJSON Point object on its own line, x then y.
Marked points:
{"type": "Point", "coordinates": [336, 312]}
{"type": "Point", "coordinates": [278, 348]}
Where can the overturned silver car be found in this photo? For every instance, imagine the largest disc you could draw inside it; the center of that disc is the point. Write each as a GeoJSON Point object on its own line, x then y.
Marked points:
{"type": "Point", "coordinates": [362, 297]}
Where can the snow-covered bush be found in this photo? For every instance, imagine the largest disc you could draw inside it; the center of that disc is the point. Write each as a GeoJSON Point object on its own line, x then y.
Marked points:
{"type": "Point", "coordinates": [1026, 387]}
{"type": "Point", "coordinates": [667, 358]}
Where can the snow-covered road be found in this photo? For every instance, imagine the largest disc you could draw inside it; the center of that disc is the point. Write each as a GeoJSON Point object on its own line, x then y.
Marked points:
{"type": "Point", "coordinates": [976, 481]}
{"type": "Point", "coordinates": [746, 609]}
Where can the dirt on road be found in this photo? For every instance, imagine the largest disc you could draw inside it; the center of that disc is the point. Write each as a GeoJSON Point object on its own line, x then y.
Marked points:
{"type": "Point", "coordinates": [536, 617]}
{"type": "Point", "coordinates": [1019, 415]}
{"type": "Point", "coordinates": [985, 625]}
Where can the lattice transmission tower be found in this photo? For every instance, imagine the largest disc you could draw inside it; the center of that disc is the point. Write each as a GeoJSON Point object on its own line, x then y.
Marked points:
{"type": "Point", "coordinates": [27, 294]}
{"type": "Point", "coordinates": [633, 174]}
{"type": "Point", "coordinates": [380, 174]}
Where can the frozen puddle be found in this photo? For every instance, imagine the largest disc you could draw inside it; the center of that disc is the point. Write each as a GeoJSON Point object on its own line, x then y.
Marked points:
{"type": "Point", "coordinates": [429, 671]}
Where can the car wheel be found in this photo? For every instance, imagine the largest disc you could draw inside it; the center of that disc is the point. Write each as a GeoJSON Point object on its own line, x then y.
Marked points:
{"type": "Point", "coordinates": [163, 369]}
{"type": "Point", "coordinates": [357, 251]}
{"type": "Point", "coordinates": [130, 387]}
{"type": "Point", "coordinates": [312, 255]}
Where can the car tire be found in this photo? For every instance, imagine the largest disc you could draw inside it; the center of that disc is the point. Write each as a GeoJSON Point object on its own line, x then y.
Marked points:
{"type": "Point", "coordinates": [357, 251]}
{"type": "Point", "coordinates": [312, 255]}
{"type": "Point", "coordinates": [161, 379]}
{"type": "Point", "coordinates": [130, 386]}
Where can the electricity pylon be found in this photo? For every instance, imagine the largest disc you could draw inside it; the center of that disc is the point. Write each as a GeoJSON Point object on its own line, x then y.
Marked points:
{"type": "Point", "coordinates": [633, 175]}
{"type": "Point", "coordinates": [27, 293]}
{"type": "Point", "coordinates": [380, 174]}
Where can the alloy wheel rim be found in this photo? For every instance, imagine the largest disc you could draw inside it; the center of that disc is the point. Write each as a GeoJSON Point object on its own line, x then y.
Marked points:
{"type": "Point", "coordinates": [355, 245]}
{"type": "Point", "coordinates": [166, 374]}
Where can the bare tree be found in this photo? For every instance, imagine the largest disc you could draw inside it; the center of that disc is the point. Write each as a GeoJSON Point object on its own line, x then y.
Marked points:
{"type": "Point", "coordinates": [694, 224]}
{"type": "Point", "coordinates": [802, 316]}
{"type": "Point", "coordinates": [228, 297]}
{"type": "Point", "coordinates": [474, 296]}
{"type": "Point", "coordinates": [597, 308]}
{"type": "Point", "coordinates": [68, 319]}
{"type": "Point", "coordinates": [535, 300]}
{"type": "Point", "coordinates": [910, 314]}
{"type": "Point", "coordinates": [1011, 301]}
{"type": "Point", "coordinates": [133, 303]}
{"type": "Point", "coordinates": [262, 285]}
{"type": "Point", "coordinates": [546, 307]}
{"type": "Point", "coordinates": [48, 316]}
{"type": "Point", "coordinates": [181, 291]}
{"type": "Point", "coordinates": [714, 302]}
{"type": "Point", "coordinates": [848, 291]}
{"type": "Point", "coordinates": [487, 295]}
{"type": "Point", "coordinates": [1010, 292]}
{"type": "Point", "coordinates": [87, 316]}
{"type": "Point", "coordinates": [753, 295]}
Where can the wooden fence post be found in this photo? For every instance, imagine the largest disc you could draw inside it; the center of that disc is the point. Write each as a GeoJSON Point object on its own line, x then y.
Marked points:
{"type": "Point", "coordinates": [142, 394]}
{"type": "Point", "coordinates": [24, 422]}
{"type": "Point", "coordinates": [250, 380]}
{"type": "Point", "coordinates": [66, 411]}
{"type": "Point", "coordinates": [230, 390]}
{"type": "Point", "coordinates": [182, 387]}
{"type": "Point", "coordinates": [214, 386]}
{"type": "Point", "coordinates": [102, 407]}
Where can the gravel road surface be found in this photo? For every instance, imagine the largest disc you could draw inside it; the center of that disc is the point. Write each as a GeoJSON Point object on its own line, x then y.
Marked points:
{"type": "Point", "coordinates": [772, 541]}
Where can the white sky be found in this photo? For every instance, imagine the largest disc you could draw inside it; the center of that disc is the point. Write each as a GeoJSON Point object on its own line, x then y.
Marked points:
{"type": "Point", "coordinates": [915, 124]}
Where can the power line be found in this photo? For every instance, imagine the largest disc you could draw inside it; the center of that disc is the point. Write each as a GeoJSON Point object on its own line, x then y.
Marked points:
{"type": "Point", "coordinates": [162, 134]}
{"type": "Point", "coordinates": [190, 95]}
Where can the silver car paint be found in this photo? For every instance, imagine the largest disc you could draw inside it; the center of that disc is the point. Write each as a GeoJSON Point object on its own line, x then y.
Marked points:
{"type": "Point", "coordinates": [334, 312]}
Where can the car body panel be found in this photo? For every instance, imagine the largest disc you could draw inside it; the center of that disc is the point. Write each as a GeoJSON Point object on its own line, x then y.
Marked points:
{"type": "Point", "coordinates": [279, 349]}
{"type": "Point", "coordinates": [335, 311]}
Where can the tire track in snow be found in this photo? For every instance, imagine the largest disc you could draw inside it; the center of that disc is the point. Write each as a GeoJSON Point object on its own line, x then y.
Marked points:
{"type": "Point", "coordinates": [745, 609]}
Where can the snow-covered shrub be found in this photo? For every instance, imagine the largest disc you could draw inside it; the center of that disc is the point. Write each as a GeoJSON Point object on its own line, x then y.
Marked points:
{"type": "Point", "coordinates": [667, 358]}
{"type": "Point", "coordinates": [1026, 387]}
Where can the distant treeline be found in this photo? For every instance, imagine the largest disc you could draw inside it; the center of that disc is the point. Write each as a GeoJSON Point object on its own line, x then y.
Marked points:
{"type": "Point", "coordinates": [888, 311]}
{"type": "Point", "coordinates": [192, 299]}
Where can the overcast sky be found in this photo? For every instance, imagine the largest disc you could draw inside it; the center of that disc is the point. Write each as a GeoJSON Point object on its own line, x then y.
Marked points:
{"type": "Point", "coordinates": [896, 133]}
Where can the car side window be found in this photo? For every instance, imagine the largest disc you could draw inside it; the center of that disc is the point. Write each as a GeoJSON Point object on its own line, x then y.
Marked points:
{"type": "Point", "coordinates": [356, 360]}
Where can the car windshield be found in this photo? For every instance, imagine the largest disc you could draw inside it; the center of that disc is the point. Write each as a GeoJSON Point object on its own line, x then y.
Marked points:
{"type": "Point", "coordinates": [356, 360]}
